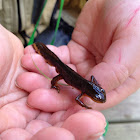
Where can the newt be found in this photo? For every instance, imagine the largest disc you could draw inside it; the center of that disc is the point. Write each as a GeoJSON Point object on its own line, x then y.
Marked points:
{"type": "Point", "coordinates": [90, 88]}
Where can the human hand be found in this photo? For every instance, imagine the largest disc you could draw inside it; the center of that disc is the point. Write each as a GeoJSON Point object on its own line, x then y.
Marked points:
{"type": "Point", "coordinates": [105, 43]}
{"type": "Point", "coordinates": [20, 122]}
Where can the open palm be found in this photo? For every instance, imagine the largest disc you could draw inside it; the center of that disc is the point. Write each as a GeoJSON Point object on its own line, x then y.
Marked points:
{"type": "Point", "coordinates": [18, 121]}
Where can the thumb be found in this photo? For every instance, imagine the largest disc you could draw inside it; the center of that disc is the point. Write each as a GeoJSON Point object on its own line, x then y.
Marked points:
{"type": "Point", "coordinates": [119, 71]}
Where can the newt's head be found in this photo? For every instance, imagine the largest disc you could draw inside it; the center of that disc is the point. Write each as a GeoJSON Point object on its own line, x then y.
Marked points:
{"type": "Point", "coordinates": [96, 93]}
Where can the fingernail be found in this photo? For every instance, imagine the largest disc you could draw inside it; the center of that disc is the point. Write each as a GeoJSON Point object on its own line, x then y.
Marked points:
{"type": "Point", "coordinates": [99, 134]}
{"type": "Point", "coordinates": [17, 85]}
{"type": "Point", "coordinates": [29, 106]}
{"type": "Point", "coordinates": [22, 63]}
{"type": "Point", "coordinates": [105, 124]}
{"type": "Point", "coordinates": [91, 137]}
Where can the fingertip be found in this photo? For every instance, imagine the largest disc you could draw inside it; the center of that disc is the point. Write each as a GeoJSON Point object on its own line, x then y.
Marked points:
{"type": "Point", "coordinates": [29, 49]}
{"type": "Point", "coordinates": [62, 52]}
{"type": "Point", "coordinates": [90, 124]}
{"type": "Point", "coordinates": [35, 63]}
{"type": "Point", "coordinates": [30, 81]}
{"type": "Point", "coordinates": [44, 99]}
{"type": "Point", "coordinates": [94, 113]}
{"type": "Point", "coordinates": [48, 100]}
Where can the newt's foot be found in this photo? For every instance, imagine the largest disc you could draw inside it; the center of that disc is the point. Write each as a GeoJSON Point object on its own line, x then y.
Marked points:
{"type": "Point", "coordinates": [80, 102]}
{"type": "Point", "coordinates": [56, 87]}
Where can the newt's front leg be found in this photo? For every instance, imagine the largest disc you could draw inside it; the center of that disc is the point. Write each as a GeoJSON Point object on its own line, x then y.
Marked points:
{"type": "Point", "coordinates": [80, 102]}
{"type": "Point", "coordinates": [54, 82]}
{"type": "Point", "coordinates": [93, 80]}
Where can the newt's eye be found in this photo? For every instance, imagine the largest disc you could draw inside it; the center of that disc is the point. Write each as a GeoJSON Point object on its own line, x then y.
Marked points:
{"type": "Point", "coordinates": [102, 90]}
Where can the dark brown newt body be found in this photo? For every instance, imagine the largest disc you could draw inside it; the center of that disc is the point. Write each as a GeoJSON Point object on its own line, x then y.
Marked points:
{"type": "Point", "coordinates": [89, 88]}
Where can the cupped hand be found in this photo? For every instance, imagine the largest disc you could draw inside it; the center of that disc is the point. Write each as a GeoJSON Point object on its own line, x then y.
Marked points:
{"type": "Point", "coordinates": [18, 121]}
{"type": "Point", "coordinates": [105, 43]}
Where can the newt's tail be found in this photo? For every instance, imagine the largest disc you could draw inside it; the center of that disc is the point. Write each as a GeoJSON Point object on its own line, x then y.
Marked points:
{"type": "Point", "coordinates": [48, 55]}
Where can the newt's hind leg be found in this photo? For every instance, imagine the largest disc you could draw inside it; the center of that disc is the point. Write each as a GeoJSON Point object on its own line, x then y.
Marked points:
{"type": "Point", "coordinates": [80, 102]}
{"type": "Point", "coordinates": [54, 82]}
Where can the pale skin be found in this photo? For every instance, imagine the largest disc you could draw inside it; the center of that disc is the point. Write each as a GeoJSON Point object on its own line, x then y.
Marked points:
{"type": "Point", "coordinates": [105, 43]}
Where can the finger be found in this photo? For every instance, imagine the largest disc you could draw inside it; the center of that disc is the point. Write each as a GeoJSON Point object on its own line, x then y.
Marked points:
{"type": "Point", "coordinates": [31, 81]}
{"type": "Point", "coordinates": [15, 134]}
{"type": "Point", "coordinates": [50, 100]}
{"type": "Point", "coordinates": [35, 63]}
{"type": "Point", "coordinates": [35, 126]}
{"type": "Point", "coordinates": [89, 123]}
{"type": "Point", "coordinates": [29, 49]}
{"type": "Point", "coordinates": [62, 52]}
{"type": "Point", "coordinates": [53, 133]}
{"type": "Point", "coordinates": [123, 91]}
{"type": "Point", "coordinates": [57, 118]}
{"type": "Point", "coordinates": [120, 93]}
